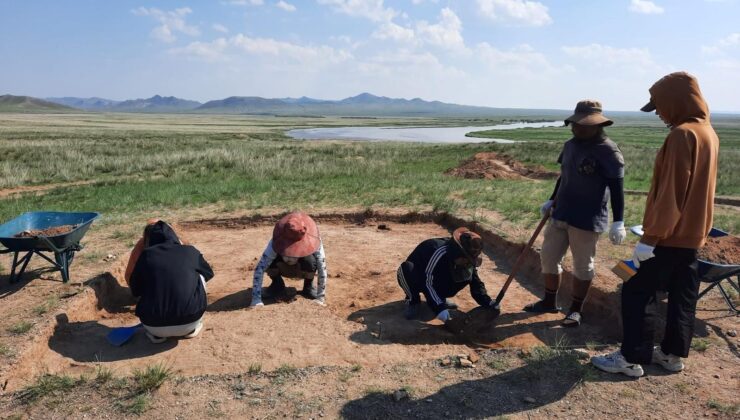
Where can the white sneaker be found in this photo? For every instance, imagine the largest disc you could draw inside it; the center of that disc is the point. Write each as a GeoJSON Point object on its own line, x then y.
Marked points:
{"type": "Point", "coordinates": [154, 339]}
{"type": "Point", "coordinates": [668, 361]}
{"type": "Point", "coordinates": [616, 363]}
{"type": "Point", "coordinates": [196, 331]}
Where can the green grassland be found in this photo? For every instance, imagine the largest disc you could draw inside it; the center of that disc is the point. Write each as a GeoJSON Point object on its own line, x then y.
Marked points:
{"type": "Point", "coordinates": [152, 164]}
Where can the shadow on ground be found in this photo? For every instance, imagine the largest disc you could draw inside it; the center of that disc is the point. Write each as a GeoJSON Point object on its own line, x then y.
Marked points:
{"type": "Point", "coordinates": [525, 388]}
{"type": "Point", "coordinates": [86, 342]}
{"type": "Point", "coordinates": [242, 298]}
{"type": "Point", "coordinates": [479, 327]}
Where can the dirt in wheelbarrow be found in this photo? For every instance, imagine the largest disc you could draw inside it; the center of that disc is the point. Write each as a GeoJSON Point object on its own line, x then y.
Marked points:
{"type": "Point", "coordinates": [52, 231]}
{"type": "Point", "coordinates": [722, 250]}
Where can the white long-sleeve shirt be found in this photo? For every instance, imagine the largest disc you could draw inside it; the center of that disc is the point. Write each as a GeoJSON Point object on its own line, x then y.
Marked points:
{"type": "Point", "coordinates": [269, 255]}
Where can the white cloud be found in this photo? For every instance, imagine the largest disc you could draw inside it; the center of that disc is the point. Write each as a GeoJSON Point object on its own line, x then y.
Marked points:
{"type": "Point", "coordinates": [616, 59]}
{"type": "Point", "coordinates": [373, 10]}
{"type": "Point", "coordinates": [392, 31]}
{"type": "Point", "coordinates": [446, 33]}
{"type": "Point", "coordinates": [206, 51]}
{"type": "Point", "coordinates": [646, 7]}
{"type": "Point", "coordinates": [286, 6]}
{"type": "Point", "coordinates": [225, 49]}
{"type": "Point", "coordinates": [518, 60]}
{"type": "Point", "coordinates": [724, 44]}
{"type": "Point", "coordinates": [220, 28]}
{"type": "Point", "coordinates": [724, 53]}
{"type": "Point", "coordinates": [517, 12]}
{"type": "Point", "coordinates": [170, 22]}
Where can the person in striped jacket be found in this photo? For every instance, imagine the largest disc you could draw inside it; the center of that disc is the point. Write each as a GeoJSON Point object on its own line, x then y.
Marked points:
{"type": "Point", "coordinates": [439, 268]}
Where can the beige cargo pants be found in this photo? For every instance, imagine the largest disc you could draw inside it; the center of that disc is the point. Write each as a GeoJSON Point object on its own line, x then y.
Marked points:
{"type": "Point", "coordinates": [559, 236]}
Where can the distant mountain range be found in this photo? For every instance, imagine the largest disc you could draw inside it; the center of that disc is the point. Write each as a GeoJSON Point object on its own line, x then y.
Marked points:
{"type": "Point", "coordinates": [364, 104]}
{"type": "Point", "coordinates": [10, 103]}
{"type": "Point", "coordinates": [154, 104]}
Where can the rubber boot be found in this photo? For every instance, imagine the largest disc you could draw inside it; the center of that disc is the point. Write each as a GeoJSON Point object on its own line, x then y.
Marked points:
{"type": "Point", "coordinates": [549, 303]}
{"type": "Point", "coordinates": [276, 288]}
{"type": "Point", "coordinates": [309, 290]}
{"type": "Point", "coordinates": [580, 292]}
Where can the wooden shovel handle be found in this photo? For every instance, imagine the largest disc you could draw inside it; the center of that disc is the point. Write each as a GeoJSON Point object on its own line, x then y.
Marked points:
{"type": "Point", "coordinates": [520, 259]}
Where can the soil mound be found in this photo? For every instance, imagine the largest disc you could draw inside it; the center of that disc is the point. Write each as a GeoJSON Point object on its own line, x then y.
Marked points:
{"type": "Point", "coordinates": [489, 165]}
{"type": "Point", "coordinates": [722, 250]}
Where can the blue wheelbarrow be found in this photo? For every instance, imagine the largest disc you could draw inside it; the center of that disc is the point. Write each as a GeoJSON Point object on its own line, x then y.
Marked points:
{"type": "Point", "coordinates": [713, 273]}
{"type": "Point", "coordinates": [62, 245]}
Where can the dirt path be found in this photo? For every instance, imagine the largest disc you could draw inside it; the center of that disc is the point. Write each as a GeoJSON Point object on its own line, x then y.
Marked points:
{"type": "Point", "coordinates": [39, 189]}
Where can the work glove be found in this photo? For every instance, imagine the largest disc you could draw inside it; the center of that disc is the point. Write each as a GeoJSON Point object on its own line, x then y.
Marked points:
{"type": "Point", "coordinates": [444, 316]}
{"type": "Point", "coordinates": [546, 206]}
{"type": "Point", "coordinates": [617, 233]}
{"type": "Point", "coordinates": [641, 253]}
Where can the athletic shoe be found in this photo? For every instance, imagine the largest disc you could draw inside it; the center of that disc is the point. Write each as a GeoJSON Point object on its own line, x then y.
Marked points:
{"type": "Point", "coordinates": [154, 339]}
{"type": "Point", "coordinates": [196, 331]}
{"type": "Point", "coordinates": [450, 304]}
{"type": "Point", "coordinates": [668, 361]}
{"type": "Point", "coordinates": [616, 363]}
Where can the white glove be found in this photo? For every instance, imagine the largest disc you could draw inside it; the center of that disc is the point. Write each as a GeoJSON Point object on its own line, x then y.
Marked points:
{"type": "Point", "coordinates": [444, 316]}
{"type": "Point", "coordinates": [641, 253]}
{"type": "Point", "coordinates": [617, 233]}
{"type": "Point", "coordinates": [546, 206]}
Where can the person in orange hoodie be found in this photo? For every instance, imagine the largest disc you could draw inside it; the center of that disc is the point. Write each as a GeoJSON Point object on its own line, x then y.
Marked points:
{"type": "Point", "coordinates": [677, 220]}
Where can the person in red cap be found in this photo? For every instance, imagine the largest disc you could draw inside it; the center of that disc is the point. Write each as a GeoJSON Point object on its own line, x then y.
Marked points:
{"type": "Point", "coordinates": [439, 268]}
{"type": "Point", "coordinates": [295, 251]}
{"type": "Point", "coordinates": [591, 172]}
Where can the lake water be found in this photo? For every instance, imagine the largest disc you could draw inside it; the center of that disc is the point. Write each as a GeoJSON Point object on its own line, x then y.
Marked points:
{"type": "Point", "coordinates": [414, 134]}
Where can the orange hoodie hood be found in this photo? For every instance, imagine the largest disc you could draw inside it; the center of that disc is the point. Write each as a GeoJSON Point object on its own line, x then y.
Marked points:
{"type": "Point", "coordinates": [679, 99]}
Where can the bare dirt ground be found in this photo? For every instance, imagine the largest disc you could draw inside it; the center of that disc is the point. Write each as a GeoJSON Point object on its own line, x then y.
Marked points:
{"type": "Point", "coordinates": [344, 360]}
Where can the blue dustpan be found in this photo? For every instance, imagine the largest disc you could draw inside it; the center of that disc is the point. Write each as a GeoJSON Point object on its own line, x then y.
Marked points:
{"type": "Point", "coordinates": [119, 336]}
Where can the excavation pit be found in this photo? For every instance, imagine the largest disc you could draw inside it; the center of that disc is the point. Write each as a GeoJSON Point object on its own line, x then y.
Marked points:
{"type": "Point", "coordinates": [362, 324]}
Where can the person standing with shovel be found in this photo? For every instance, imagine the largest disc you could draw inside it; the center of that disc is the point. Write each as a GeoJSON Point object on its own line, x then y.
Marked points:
{"type": "Point", "coordinates": [592, 170]}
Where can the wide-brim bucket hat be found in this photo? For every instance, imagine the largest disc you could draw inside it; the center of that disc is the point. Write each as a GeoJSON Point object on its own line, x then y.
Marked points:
{"type": "Point", "coordinates": [296, 235]}
{"type": "Point", "coordinates": [471, 243]}
{"type": "Point", "coordinates": [589, 112]}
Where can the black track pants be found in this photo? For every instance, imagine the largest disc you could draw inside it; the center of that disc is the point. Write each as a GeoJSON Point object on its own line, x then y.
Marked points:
{"type": "Point", "coordinates": [673, 270]}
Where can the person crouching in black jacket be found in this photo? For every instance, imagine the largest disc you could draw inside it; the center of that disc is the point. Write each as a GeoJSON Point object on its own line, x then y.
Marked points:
{"type": "Point", "coordinates": [169, 279]}
{"type": "Point", "coordinates": [439, 268]}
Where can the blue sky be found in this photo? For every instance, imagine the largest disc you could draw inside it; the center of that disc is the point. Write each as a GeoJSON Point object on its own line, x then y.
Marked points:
{"type": "Point", "coordinates": [502, 53]}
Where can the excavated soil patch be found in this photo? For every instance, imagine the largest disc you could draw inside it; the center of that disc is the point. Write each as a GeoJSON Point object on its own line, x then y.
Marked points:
{"type": "Point", "coordinates": [362, 323]}
{"type": "Point", "coordinates": [490, 165]}
{"type": "Point", "coordinates": [722, 250]}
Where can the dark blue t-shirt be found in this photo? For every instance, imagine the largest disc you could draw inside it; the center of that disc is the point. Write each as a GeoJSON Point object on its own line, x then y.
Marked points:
{"type": "Point", "coordinates": [585, 167]}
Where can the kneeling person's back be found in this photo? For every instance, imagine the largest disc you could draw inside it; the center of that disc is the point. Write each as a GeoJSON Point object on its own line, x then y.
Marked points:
{"type": "Point", "coordinates": [170, 280]}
